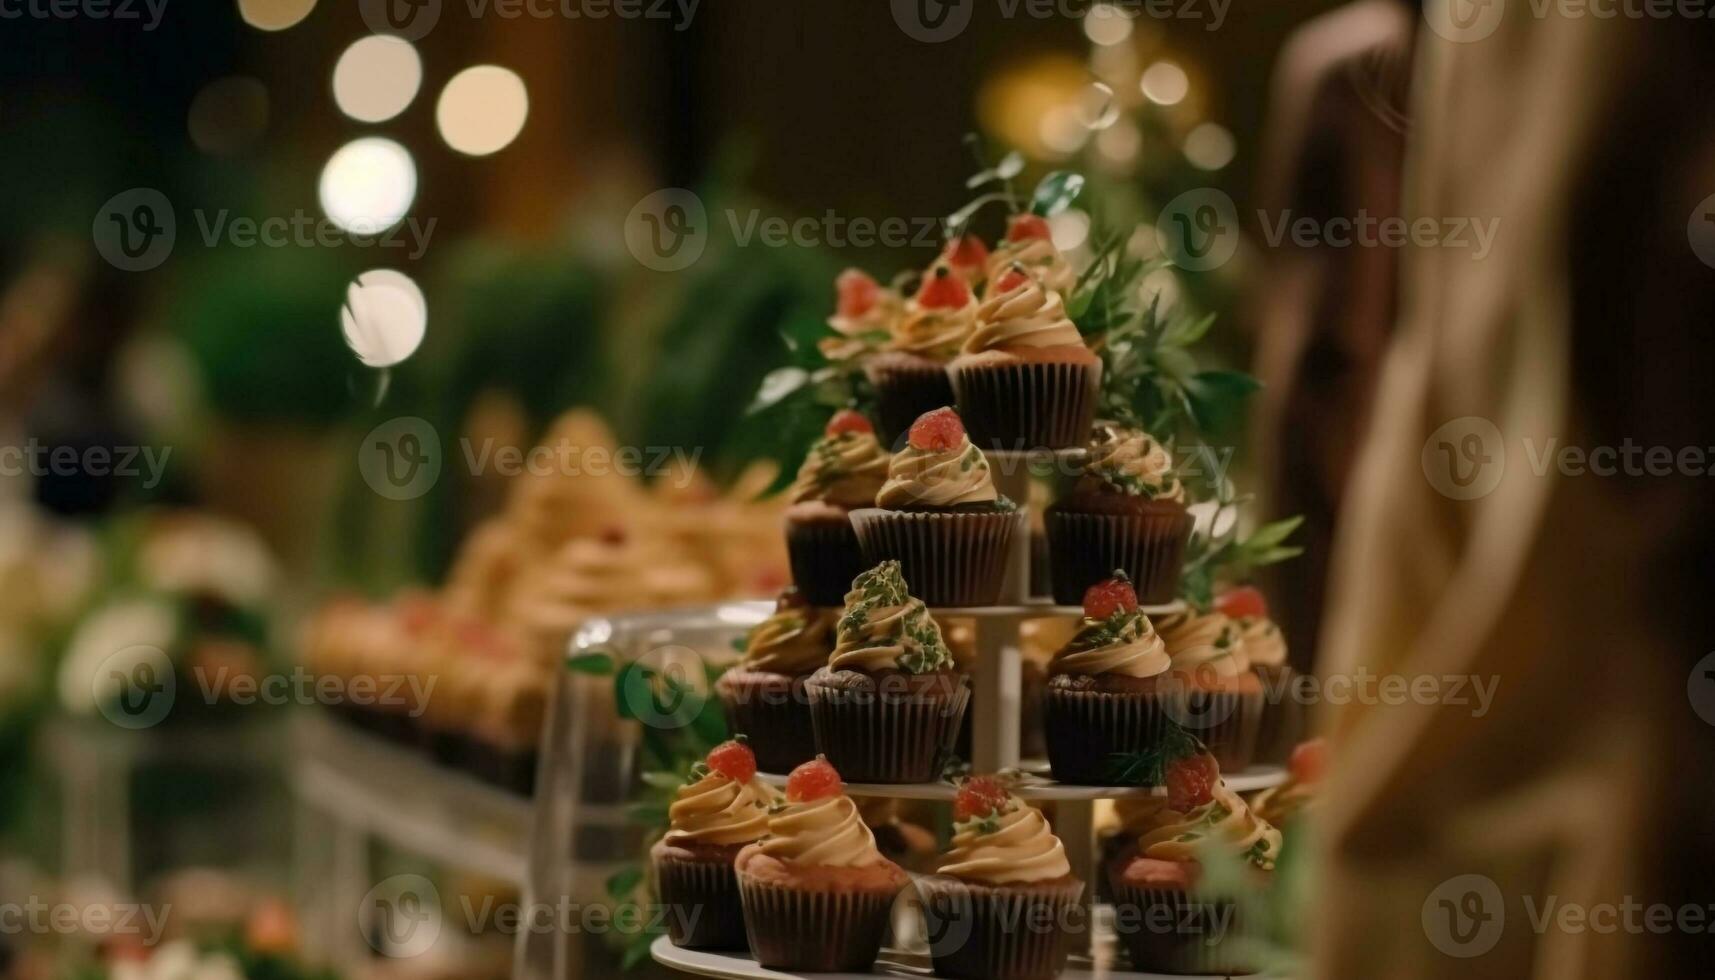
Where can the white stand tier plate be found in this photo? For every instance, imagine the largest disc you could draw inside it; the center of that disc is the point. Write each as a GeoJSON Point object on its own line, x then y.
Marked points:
{"type": "Point", "coordinates": [893, 963]}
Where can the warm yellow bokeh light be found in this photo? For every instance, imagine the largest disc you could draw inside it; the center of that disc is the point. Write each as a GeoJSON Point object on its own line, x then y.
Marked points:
{"type": "Point", "coordinates": [1164, 83]}
{"type": "Point", "coordinates": [1209, 146]}
{"type": "Point", "coordinates": [368, 185]}
{"type": "Point", "coordinates": [274, 15]}
{"type": "Point", "coordinates": [376, 78]}
{"type": "Point", "coordinates": [482, 109]}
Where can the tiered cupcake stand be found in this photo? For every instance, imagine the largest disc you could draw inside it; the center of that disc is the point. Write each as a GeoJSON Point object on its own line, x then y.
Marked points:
{"type": "Point", "coordinates": [997, 694]}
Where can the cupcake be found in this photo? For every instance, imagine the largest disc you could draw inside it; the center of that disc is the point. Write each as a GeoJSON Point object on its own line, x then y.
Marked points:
{"type": "Point", "coordinates": [844, 471]}
{"type": "Point", "coordinates": [910, 375]}
{"type": "Point", "coordinates": [968, 257]}
{"type": "Point", "coordinates": [1265, 648]}
{"type": "Point", "coordinates": [1105, 700]}
{"type": "Point", "coordinates": [940, 516]}
{"type": "Point", "coordinates": [720, 811]}
{"type": "Point", "coordinates": [887, 706]}
{"type": "Point", "coordinates": [1126, 510]}
{"type": "Point", "coordinates": [1282, 804]}
{"type": "Point", "coordinates": [1024, 378]}
{"type": "Point", "coordinates": [764, 692]}
{"type": "Point", "coordinates": [1165, 925]}
{"type": "Point", "coordinates": [507, 734]}
{"type": "Point", "coordinates": [1215, 694]}
{"type": "Point", "coordinates": [817, 894]}
{"type": "Point", "coordinates": [1030, 244]}
{"type": "Point", "coordinates": [863, 318]}
{"type": "Point", "coordinates": [1000, 906]}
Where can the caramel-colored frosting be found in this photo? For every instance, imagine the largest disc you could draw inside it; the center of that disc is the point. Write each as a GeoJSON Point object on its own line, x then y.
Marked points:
{"type": "Point", "coordinates": [1279, 804]}
{"type": "Point", "coordinates": [583, 578]}
{"type": "Point", "coordinates": [1224, 821]}
{"type": "Point", "coordinates": [886, 628]}
{"type": "Point", "coordinates": [794, 641]}
{"type": "Point", "coordinates": [936, 333]}
{"type": "Point", "coordinates": [846, 470]}
{"type": "Point", "coordinates": [1264, 643]}
{"type": "Point", "coordinates": [1124, 643]}
{"type": "Point", "coordinates": [1025, 316]}
{"type": "Point", "coordinates": [1039, 257]}
{"type": "Point", "coordinates": [865, 332]}
{"type": "Point", "coordinates": [828, 832]}
{"type": "Point", "coordinates": [937, 478]}
{"type": "Point", "coordinates": [1204, 641]}
{"type": "Point", "coordinates": [1130, 461]}
{"type": "Point", "coordinates": [1014, 846]}
{"type": "Point", "coordinates": [719, 810]}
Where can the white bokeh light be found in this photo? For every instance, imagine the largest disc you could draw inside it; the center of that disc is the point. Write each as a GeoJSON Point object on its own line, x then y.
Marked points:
{"type": "Point", "coordinates": [482, 109]}
{"type": "Point", "coordinates": [1107, 24]}
{"type": "Point", "coordinates": [368, 185]}
{"type": "Point", "coordinates": [1164, 83]}
{"type": "Point", "coordinates": [376, 78]}
{"type": "Point", "coordinates": [384, 317]}
{"type": "Point", "coordinates": [1209, 146]}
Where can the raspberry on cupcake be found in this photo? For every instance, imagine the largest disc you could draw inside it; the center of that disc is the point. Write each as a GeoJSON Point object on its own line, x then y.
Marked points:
{"type": "Point", "coordinates": [817, 895]}
{"type": "Point", "coordinates": [1125, 510]}
{"type": "Point", "coordinates": [764, 692]}
{"type": "Point", "coordinates": [1105, 696]}
{"type": "Point", "coordinates": [715, 815]}
{"type": "Point", "coordinates": [940, 516]}
{"type": "Point", "coordinates": [1004, 892]}
{"type": "Point", "coordinates": [1024, 378]}
{"type": "Point", "coordinates": [1280, 805]}
{"type": "Point", "coordinates": [1216, 694]}
{"type": "Point", "coordinates": [968, 257]}
{"type": "Point", "coordinates": [1029, 244]}
{"type": "Point", "coordinates": [910, 375]}
{"type": "Point", "coordinates": [863, 318]}
{"type": "Point", "coordinates": [844, 471]}
{"type": "Point", "coordinates": [887, 707]}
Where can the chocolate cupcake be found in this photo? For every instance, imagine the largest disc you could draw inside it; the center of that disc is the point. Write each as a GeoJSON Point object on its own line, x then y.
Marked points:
{"type": "Point", "coordinates": [714, 816]}
{"type": "Point", "coordinates": [1163, 921]}
{"type": "Point", "coordinates": [1127, 511]}
{"type": "Point", "coordinates": [910, 374]}
{"type": "Point", "coordinates": [940, 516]}
{"type": "Point", "coordinates": [1001, 905]}
{"type": "Point", "coordinates": [1214, 693]}
{"type": "Point", "coordinates": [764, 692]}
{"type": "Point", "coordinates": [1024, 378]}
{"type": "Point", "coordinates": [844, 471]}
{"type": "Point", "coordinates": [817, 894]}
{"type": "Point", "coordinates": [1106, 702]}
{"type": "Point", "coordinates": [887, 707]}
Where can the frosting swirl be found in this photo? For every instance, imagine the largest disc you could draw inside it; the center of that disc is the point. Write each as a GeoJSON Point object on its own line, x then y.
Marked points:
{"type": "Point", "coordinates": [1279, 804]}
{"type": "Point", "coordinates": [792, 641]}
{"type": "Point", "coordinates": [1129, 461]}
{"type": "Point", "coordinates": [1124, 643]}
{"type": "Point", "coordinates": [1204, 641]}
{"type": "Point", "coordinates": [1025, 316]}
{"type": "Point", "coordinates": [935, 333]}
{"type": "Point", "coordinates": [1015, 846]}
{"type": "Point", "coordinates": [717, 810]}
{"type": "Point", "coordinates": [1039, 257]}
{"type": "Point", "coordinates": [828, 832]}
{"type": "Point", "coordinates": [1225, 820]}
{"type": "Point", "coordinates": [886, 628]}
{"type": "Point", "coordinates": [864, 332]}
{"type": "Point", "coordinates": [846, 470]}
{"type": "Point", "coordinates": [937, 477]}
{"type": "Point", "coordinates": [1263, 642]}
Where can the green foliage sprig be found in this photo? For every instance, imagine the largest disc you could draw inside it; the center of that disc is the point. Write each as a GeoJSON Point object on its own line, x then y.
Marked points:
{"type": "Point", "coordinates": [1218, 555]}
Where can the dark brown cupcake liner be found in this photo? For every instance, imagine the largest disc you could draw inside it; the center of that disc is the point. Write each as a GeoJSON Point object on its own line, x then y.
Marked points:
{"type": "Point", "coordinates": [1019, 405]}
{"type": "Point", "coordinates": [825, 558]}
{"type": "Point", "coordinates": [906, 386]}
{"type": "Point", "coordinates": [1225, 721]}
{"type": "Point", "coordinates": [776, 722]}
{"type": "Point", "coordinates": [1168, 930]}
{"type": "Point", "coordinates": [1012, 933]}
{"type": "Point", "coordinates": [702, 904]}
{"type": "Point", "coordinates": [1084, 549]}
{"type": "Point", "coordinates": [948, 558]}
{"type": "Point", "coordinates": [888, 734]}
{"type": "Point", "coordinates": [1086, 729]}
{"type": "Point", "coordinates": [814, 931]}
{"type": "Point", "coordinates": [1282, 722]}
